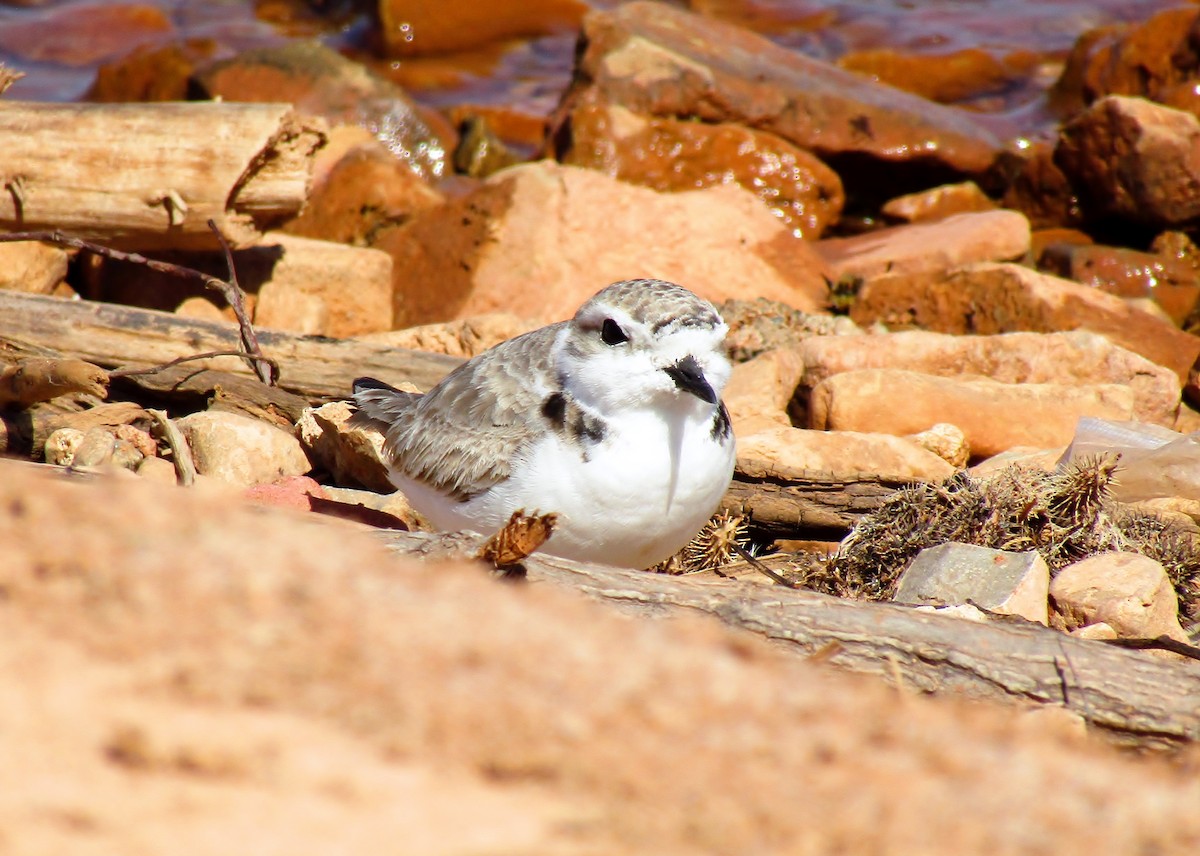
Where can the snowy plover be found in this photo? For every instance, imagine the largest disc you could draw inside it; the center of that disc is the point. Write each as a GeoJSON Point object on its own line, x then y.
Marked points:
{"type": "Point", "coordinates": [612, 420]}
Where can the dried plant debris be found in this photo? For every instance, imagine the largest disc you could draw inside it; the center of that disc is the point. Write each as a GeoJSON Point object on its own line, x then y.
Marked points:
{"type": "Point", "coordinates": [712, 547]}
{"type": "Point", "coordinates": [1066, 516]}
{"type": "Point", "coordinates": [518, 539]}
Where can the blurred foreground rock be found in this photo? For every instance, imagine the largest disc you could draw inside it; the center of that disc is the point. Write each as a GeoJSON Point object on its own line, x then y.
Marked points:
{"type": "Point", "coordinates": [174, 661]}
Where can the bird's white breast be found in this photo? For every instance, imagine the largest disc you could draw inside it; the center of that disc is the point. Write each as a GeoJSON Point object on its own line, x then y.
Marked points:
{"type": "Point", "coordinates": [633, 499]}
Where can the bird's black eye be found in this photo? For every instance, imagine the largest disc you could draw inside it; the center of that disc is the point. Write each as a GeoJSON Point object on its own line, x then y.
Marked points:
{"type": "Point", "coordinates": [611, 333]}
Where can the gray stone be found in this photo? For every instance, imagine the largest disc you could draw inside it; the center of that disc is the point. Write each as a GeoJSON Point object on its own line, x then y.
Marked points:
{"type": "Point", "coordinates": [995, 580]}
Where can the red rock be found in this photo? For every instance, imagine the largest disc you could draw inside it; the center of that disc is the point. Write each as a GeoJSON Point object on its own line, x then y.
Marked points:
{"type": "Point", "coordinates": [919, 247]}
{"type": "Point", "coordinates": [538, 239]}
{"type": "Point", "coordinates": [292, 492]}
{"type": "Point", "coordinates": [1001, 298]}
{"type": "Point", "coordinates": [671, 154]}
{"type": "Point", "coordinates": [938, 203]}
{"type": "Point", "coordinates": [84, 34]}
{"type": "Point", "coordinates": [994, 416]}
{"type": "Point", "coordinates": [1131, 158]}
{"type": "Point", "coordinates": [656, 60]}
{"type": "Point", "coordinates": [1172, 284]}
{"type": "Point", "coordinates": [416, 27]}
{"type": "Point", "coordinates": [1041, 191]}
{"type": "Point", "coordinates": [360, 187]}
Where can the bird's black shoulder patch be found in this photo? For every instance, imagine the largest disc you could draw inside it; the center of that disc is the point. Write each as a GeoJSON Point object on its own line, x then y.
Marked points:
{"type": "Point", "coordinates": [554, 408]}
{"type": "Point", "coordinates": [721, 426]}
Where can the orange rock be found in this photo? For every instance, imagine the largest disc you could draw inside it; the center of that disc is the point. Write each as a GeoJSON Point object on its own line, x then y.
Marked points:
{"type": "Point", "coordinates": [415, 27]}
{"type": "Point", "coordinates": [538, 239]}
{"type": "Point", "coordinates": [32, 267]}
{"type": "Point", "coordinates": [1127, 591]}
{"type": "Point", "coordinates": [151, 73]}
{"type": "Point", "coordinates": [938, 203]}
{"type": "Point", "coordinates": [670, 154]}
{"type": "Point", "coordinates": [919, 247]}
{"type": "Point", "coordinates": [760, 390]}
{"type": "Point", "coordinates": [322, 288]}
{"type": "Point", "coordinates": [1154, 58]}
{"type": "Point", "coordinates": [994, 416]}
{"type": "Point", "coordinates": [1000, 298]}
{"type": "Point", "coordinates": [943, 77]}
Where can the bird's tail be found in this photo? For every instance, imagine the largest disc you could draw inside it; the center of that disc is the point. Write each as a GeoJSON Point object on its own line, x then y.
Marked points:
{"type": "Point", "coordinates": [380, 404]}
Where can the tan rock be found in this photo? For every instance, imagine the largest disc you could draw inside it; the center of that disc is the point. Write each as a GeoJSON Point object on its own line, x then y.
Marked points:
{"type": "Point", "coordinates": [1001, 298]}
{"type": "Point", "coordinates": [666, 153]}
{"type": "Point", "coordinates": [1133, 158]}
{"type": "Point", "coordinates": [1075, 357]}
{"type": "Point", "coordinates": [323, 288]}
{"type": "Point", "coordinates": [240, 450]}
{"type": "Point", "coordinates": [1099, 631]}
{"type": "Point", "coordinates": [157, 470]}
{"type": "Point", "coordinates": [60, 447]}
{"type": "Point", "coordinates": [181, 672]}
{"type": "Point", "coordinates": [465, 338]}
{"type": "Point", "coordinates": [918, 248]}
{"type": "Point", "coordinates": [759, 391]}
{"type": "Point", "coordinates": [203, 309]}
{"type": "Point", "coordinates": [351, 455]}
{"type": "Point", "coordinates": [394, 503]}
{"type": "Point", "coordinates": [538, 239]}
{"type": "Point", "coordinates": [841, 453]}
{"type": "Point", "coordinates": [937, 203]}
{"type": "Point", "coordinates": [946, 441]}
{"type": "Point", "coordinates": [1127, 591]}
{"type": "Point", "coordinates": [32, 267]}
{"type": "Point", "coordinates": [994, 416]}
{"type": "Point", "coordinates": [1030, 457]}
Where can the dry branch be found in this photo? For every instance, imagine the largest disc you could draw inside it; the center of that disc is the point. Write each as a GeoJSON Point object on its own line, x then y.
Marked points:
{"type": "Point", "coordinates": [1133, 696]}
{"type": "Point", "coordinates": [151, 175]}
{"type": "Point", "coordinates": [110, 335]}
{"type": "Point", "coordinates": [37, 379]}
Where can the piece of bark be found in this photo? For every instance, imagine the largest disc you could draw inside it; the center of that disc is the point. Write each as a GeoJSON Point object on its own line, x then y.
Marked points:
{"type": "Point", "coordinates": [151, 175]}
{"type": "Point", "coordinates": [109, 335]}
{"type": "Point", "coordinates": [803, 505]}
{"type": "Point", "coordinates": [1133, 697]}
{"type": "Point", "coordinates": [37, 379]}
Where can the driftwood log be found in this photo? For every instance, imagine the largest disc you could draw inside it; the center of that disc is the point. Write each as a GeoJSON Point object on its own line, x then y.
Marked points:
{"type": "Point", "coordinates": [110, 335]}
{"type": "Point", "coordinates": [1133, 696]}
{"type": "Point", "coordinates": [150, 176]}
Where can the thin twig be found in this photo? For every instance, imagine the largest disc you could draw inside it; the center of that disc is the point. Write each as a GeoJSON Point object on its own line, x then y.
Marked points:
{"type": "Point", "coordinates": [1162, 643]}
{"type": "Point", "coordinates": [266, 370]}
{"type": "Point", "coordinates": [760, 567]}
{"type": "Point", "coordinates": [190, 358]}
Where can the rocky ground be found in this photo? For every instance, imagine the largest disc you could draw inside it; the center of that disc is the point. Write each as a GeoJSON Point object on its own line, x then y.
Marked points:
{"type": "Point", "coordinates": [978, 309]}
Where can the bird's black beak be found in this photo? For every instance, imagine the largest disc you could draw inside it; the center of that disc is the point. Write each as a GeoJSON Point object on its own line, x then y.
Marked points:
{"type": "Point", "coordinates": [688, 376]}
